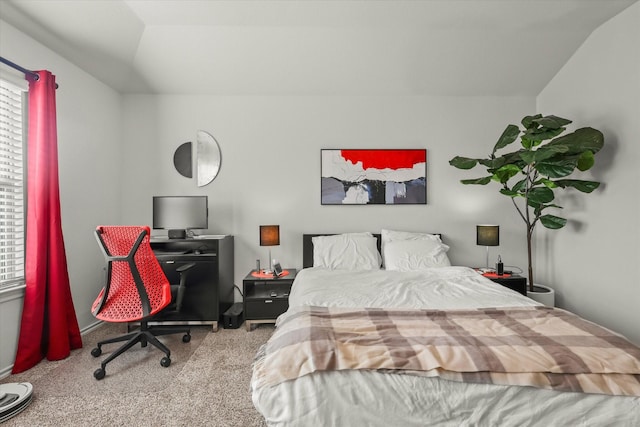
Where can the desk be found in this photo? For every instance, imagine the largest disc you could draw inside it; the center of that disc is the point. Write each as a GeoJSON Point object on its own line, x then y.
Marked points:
{"type": "Point", "coordinates": [209, 284]}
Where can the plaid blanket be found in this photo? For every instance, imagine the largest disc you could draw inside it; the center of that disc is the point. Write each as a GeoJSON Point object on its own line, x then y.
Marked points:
{"type": "Point", "coordinates": [533, 346]}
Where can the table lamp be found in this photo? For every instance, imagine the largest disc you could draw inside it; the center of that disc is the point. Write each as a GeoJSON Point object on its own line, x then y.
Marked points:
{"type": "Point", "coordinates": [269, 236]}
{"type": "Point", "coordinates": [487, 235]}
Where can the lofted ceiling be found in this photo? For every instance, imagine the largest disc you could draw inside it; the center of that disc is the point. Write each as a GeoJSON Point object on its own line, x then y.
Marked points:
{"type": "Point", "coordinates": [309, 47]}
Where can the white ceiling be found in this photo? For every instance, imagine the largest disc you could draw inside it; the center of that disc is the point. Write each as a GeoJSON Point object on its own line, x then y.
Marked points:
{"type": "Point", "coordinates": [305, 47]}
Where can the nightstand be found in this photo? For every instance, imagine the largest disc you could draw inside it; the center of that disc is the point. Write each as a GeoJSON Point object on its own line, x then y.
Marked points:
{"type": "Point", "coordinates": [266, 298]}
{"type": "Point", "coordinates": [513, 281]}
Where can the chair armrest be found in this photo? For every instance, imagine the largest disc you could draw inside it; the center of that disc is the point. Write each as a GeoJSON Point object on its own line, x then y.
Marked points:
{"type": "Point", "coordinates": [185, 267]}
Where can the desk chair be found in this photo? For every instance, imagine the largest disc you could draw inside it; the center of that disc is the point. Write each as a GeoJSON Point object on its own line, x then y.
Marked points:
{"type": "Point", "coordinates": [136, 289]}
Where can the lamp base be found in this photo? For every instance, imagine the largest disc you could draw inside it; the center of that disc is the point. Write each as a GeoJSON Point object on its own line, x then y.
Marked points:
{"type": "Point", "coordinates": [488, 258]}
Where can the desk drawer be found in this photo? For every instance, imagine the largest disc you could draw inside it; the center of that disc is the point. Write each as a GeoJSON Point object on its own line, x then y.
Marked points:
{"type": "Point", "coordinates": [269, 308]}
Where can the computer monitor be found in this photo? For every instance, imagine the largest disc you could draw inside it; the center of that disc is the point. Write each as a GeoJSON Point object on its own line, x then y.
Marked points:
{"type": "Point", "coordinates": [180, 213]}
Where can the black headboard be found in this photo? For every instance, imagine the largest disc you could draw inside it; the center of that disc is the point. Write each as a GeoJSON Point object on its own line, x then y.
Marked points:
{"type": "Point", "coordinates": [307, 246]}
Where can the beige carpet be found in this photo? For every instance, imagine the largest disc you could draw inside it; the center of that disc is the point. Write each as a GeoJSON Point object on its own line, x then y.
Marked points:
{"type": "Point", "coordinates": [207, 383]}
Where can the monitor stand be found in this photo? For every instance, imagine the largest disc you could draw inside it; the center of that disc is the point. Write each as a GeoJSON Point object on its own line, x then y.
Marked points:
{"type": "Point", "coordinates": [177, 234]}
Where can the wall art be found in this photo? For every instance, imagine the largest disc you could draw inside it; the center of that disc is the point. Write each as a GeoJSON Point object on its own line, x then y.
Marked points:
{"type": "Point", "coordinates": [373, 177]}
{"type": "Point", "coordinates": [207, 158]}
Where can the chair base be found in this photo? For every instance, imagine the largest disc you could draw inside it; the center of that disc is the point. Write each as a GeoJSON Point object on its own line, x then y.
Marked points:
{"type": "Point", "coordinates": [146, 335]}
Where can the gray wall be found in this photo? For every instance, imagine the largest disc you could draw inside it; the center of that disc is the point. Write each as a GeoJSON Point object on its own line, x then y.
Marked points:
{"type": "Point", "coordinates": [592, 263]}
{"type": "Point", "coordinates": [271, 166]}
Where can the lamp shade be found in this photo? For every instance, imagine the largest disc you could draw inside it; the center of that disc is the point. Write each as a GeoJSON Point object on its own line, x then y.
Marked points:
{"type": "Point", "coordinates": [269, 235]}
{"type": "Point", "coordinates": [488, 235]}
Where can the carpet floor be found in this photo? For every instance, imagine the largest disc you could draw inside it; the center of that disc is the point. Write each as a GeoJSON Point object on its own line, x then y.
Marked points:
{"type": "Point", "coordinates": [207, 383]}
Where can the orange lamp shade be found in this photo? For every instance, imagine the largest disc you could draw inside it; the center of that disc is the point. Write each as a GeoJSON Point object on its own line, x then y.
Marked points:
{"type": "Point", "coordinates": [269, 235]}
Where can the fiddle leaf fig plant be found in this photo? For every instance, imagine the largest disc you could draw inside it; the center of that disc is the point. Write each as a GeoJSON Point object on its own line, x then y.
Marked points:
{"type": "Point", "coordinates": [537, 169]}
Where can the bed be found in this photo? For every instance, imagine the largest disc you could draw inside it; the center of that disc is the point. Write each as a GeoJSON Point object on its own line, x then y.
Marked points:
{"type": "Point", "coordinates": [363, 345]}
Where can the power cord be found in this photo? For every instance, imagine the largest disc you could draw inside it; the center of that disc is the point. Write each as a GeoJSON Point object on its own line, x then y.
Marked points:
{"type": "Point", "coordinates": [514, 269]}
{"type": "Point", "coordinates": [239, 291]}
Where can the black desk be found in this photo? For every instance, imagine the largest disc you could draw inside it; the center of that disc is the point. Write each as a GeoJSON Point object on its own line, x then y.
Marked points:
{"type": "Point", "coordinates": [209, 283]}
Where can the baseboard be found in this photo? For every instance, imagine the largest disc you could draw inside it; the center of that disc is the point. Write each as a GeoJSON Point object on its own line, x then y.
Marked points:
{"type": "Point", "coordinates": [91, 327]}
{"type": "Point", "coordinates": [6, 371]}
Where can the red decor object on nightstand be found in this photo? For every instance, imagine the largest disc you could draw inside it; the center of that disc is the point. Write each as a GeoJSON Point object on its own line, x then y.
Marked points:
{"type": "Point", "coordinates": [264, 275]}
{"type": "Point", "coordinates": [496, 276]}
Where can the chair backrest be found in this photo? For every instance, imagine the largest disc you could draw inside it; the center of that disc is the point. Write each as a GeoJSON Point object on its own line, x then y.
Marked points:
{"type": "Point", "coordinates": [136, 287]}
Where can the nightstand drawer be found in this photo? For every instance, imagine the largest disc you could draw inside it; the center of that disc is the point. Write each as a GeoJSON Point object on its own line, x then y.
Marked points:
{"type": "Point", "coordinates": [269, 308]}
{"type": "Point", "coordinates": [514, 282]}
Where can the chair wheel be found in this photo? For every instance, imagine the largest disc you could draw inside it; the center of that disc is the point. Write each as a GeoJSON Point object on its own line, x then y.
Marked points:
{"type": "Point", "coordinates": [96, 352]}
{"type": "Point", "coordinates": [165, 362]}
{"type": "Point", "coordinates": [186, 338]}
{"type": "Point", "coordinates": [99, 374]}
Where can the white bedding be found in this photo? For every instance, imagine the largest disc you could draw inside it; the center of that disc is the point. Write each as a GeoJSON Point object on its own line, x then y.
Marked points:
{"type": "Point", "coordinates": [362, 398]}
{"type": "Point", "coordinates": [441, 288]}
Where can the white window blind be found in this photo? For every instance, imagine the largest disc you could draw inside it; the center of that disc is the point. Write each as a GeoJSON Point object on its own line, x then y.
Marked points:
{"type": "Point", "coordinates": [12, 180]}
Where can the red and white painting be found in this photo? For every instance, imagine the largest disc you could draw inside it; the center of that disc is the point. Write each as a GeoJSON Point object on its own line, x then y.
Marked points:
{"type": "Point", "coordinates": [373, 177]}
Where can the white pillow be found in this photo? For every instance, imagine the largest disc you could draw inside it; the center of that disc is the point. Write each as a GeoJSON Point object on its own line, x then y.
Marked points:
{"type": "Point", "coordinates": [350, 251]}
{"type": "Point", "coordinates": [409, 255]}
{"type": "Point", "coordinates": [391, 235]}
{"type": "Point", "coordinates": [431, 252]}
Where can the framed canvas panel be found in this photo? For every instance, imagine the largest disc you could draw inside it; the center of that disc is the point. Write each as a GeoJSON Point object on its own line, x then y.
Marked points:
{"type": "Point", "coordinates": [373, 177]}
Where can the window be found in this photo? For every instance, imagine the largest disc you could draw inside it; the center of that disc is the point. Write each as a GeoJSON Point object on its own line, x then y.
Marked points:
{"type": "Point", "coordinates": [12, 180]}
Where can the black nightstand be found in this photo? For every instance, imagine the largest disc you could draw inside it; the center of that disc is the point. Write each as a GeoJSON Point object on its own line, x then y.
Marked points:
{"type": "Point", "coordinates": [513, 281]}
{"type": "Point", "coordinates": [266, 298]}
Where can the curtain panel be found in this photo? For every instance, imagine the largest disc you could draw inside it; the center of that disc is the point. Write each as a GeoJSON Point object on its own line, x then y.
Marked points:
{"type": "Point", "coordinates": [49, 327]}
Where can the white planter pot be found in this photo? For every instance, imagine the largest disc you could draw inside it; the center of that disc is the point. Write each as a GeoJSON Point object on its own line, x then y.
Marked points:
{"type": "Point", "coordinates": [543, 294]}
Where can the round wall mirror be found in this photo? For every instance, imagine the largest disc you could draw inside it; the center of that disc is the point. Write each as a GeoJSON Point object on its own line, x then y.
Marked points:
{"type": "Point", "coordinates": [206, 156]}
{"type": "Point", "coordinates": [182, 160]}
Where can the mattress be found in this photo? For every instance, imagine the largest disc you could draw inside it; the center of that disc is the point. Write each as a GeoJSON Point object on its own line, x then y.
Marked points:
{"type": "Point", "coordinates": [375, 398]}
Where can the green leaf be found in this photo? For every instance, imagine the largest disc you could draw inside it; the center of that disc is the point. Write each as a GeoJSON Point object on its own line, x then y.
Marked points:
{"type": "Point", "coordinates": [514, 158]}
{"type": "Point", "coordinates": [586, 161]}
{"type": "Point", "coordinates": [509, 135]}
{"type": "Point", "coordinates": [583, 139]}
{"type": "Point", "coordinates": [537, 207]}
{"type": "Point", "coordinates": [548, 151]}
{"type": "Point", "coordinates": [520, 185]}
{"type": "Point", "coordinates": [492, 163]}
{"type": "Point", "coordinates": [556, 167]}
{"type": "Point", "coordinates": [505, 173]}
{"type": "Point", "coordinates": [541, 195]}
{"type": "Point", "coordinates": [509, 193]}
{"type": "Point", "coordinates": [552, 122]}
{"type": "Point", "coordinates": [479, 181]}
{"type": "Point", "coordinates": [548, 183]}
{"type": "Point", "coordinates": [528, 121]}
{"type": "Point", "coordinates": [463, 162]}
{"type": "Point", "coordinates": [546, 133]}
{"type": "Point", "coordinates": [528, 156]}
{"type": "Point", "coordinates": [526, 142]}
{"type": "Point", "coordinates": [542, 134]}
{"type": "Point", "coordinates": [553, 222]}
{"type": "Point", "coordinates": [578, 184]}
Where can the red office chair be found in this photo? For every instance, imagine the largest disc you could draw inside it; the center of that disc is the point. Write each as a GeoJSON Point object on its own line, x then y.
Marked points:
{"type": "Point", "coordinates": [136, 289]}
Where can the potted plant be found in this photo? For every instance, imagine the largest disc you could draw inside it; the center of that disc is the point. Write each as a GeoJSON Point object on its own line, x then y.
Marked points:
{"type": "Point", "coordinates": [530, 175]}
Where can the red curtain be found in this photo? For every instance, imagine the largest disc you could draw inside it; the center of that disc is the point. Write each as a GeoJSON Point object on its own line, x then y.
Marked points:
{"type": "Point", "coordinates": [49, 326]}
